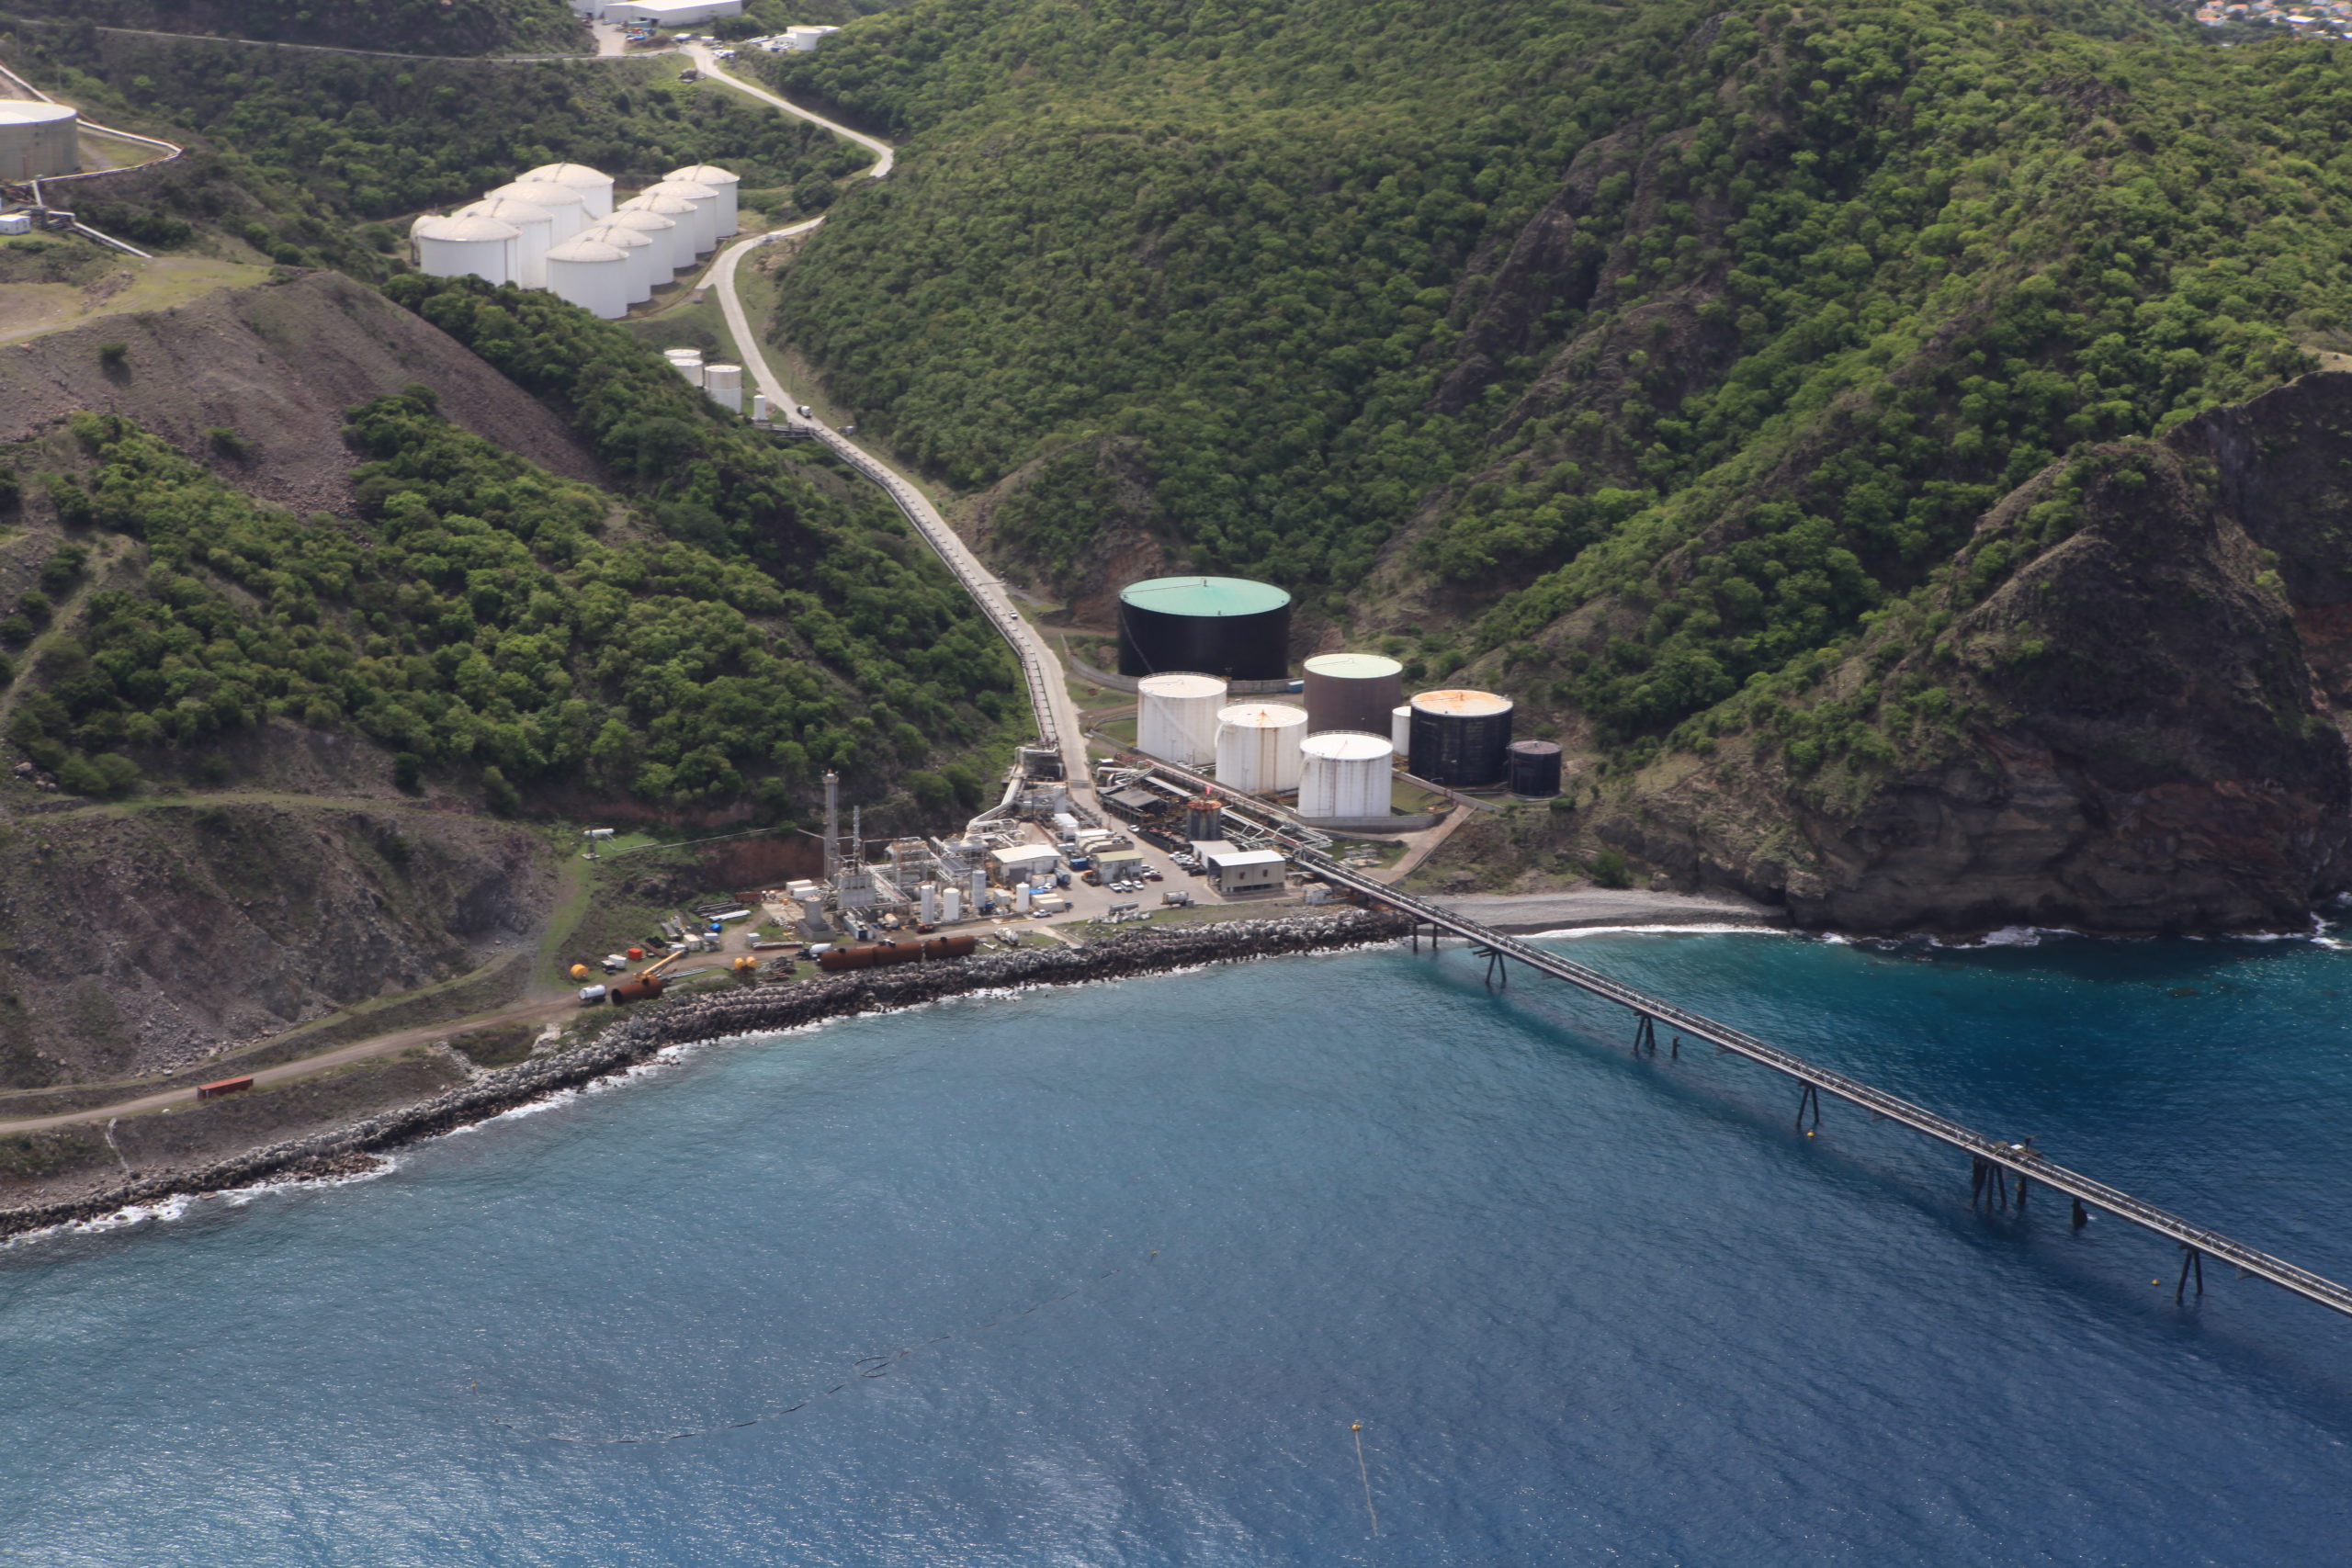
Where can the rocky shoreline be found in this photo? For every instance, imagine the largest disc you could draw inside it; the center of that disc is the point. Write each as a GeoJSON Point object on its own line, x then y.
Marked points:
{"type": "Point", "coordinates": [357, 1149]}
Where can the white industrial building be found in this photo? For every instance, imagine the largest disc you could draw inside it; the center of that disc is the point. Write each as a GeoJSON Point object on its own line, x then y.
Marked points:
{"type": "Point", "coordinates": [556, 227]}
{"type": "Point", "coordinates": [1241, 871]}
{"type": "Point", "coordinates": [37, 140]}
{"type": "Point", "coordinates": [670, 13]}
{"type": "Point", "coordinates": [800, 40]}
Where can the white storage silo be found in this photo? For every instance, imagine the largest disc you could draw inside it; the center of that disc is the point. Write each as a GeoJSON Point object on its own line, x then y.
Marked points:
{"type": "Point", "coordinates": [637, 247]}
{"type": "Point", "coordinates": [592, 274]}
{"type": "Point", "coordinates": [760, 406]}
{"type": "Point", "coordinates": [719, 180]}
{"type": "Point", "coordinates": [725, 385]}
{"type": "Point", "coordinates": [536, 226]}
{"type": "Point", "coordinates": [465, 247]}
{"type": "Point", "coordinates": [37, 140]}
{"type": "Point", "coordinates": [686, 362]}
{"type": "Point", "coordinates": [1257, 747]}
{"type": "Point", "coordinates": [705, 202]}
{"type": "Point", "coordinates": [685, 235]}
{"type": "Point", "coordinates": [660, 265]}
{"type": "Point", "coordinates": [1344, 773]}
{"type": "Point", "coordinates": [1400, 727]}
{"type": "Point", "coordinates": [1176, 717]}
{"type": "Point", "coordinates": [570, 207]}
{"type": "Point", "coordinates": [595, 189]}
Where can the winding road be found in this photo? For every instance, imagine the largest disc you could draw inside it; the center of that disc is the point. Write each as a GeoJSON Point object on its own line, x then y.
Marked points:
{"type": "Point", "coordinates": [1049, 695]}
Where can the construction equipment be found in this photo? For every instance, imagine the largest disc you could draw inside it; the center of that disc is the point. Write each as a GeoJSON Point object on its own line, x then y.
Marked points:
{"type": "Point", "coordinates": [653, 970]}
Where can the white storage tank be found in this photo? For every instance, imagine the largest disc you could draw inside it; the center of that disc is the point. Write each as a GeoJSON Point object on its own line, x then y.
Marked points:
{"type": "Point", "coordinates": [1257, 747]}
{"type": "Point", "coordinates": [570, 209]}
{"type": "Point", "coordinates": [637, 246]}
{"type": "Point", "coordinates": [595, 189]}
{"type": "Point", "coordinates": [705, 202]}
{"type": "Point", "coordinates": [465, 247]}
{"type": "Point", "coordinates": [37, 140]}
{"type": "Point", "coordinates": [591, 274]}
{"type": "Point", "coordinates": [536, 229]}
{"type": "Point", "coordinates": [1176, 717]}
{"type": "Point", "coordinates": [719, 180]}
{"type": "Point", "coordinates": [759, 405]}
{"type": "Point", "coordinates": [1401, 728]}
{"type": "Point", "coordinates": [686, 362]}
{"type": "Point", "coordinates": [1344, 773]}
{"type": "Point", "coordinates": [682, 216]}
{"type": "Point", "coordinates": [725, 385]}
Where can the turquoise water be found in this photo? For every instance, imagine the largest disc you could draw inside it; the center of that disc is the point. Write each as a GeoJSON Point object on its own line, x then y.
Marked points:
{"type": "Point", "coordinates": [1589, 1309]}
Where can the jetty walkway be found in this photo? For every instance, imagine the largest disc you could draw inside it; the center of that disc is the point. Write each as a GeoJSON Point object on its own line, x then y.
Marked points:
{"type": "Point", "coordinates": [1993, 1162]}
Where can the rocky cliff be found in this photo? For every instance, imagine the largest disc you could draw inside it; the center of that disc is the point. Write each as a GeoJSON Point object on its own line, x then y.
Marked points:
{"type": "Point", "coordinates": [2121, 708]}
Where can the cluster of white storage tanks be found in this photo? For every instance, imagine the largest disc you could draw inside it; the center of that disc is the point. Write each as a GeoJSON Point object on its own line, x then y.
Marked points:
{"type": "Point", "coordinates": [1329, 751]}
{"type": "Point", "coordinates": [557, 228]}
{"type": "Point", "coordinates": [724, 383]}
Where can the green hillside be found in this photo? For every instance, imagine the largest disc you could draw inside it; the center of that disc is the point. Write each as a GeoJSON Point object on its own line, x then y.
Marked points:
{"type": "Point", "coordinates": [1619, 357]}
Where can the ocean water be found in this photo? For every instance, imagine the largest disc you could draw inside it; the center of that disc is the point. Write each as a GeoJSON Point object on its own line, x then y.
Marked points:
{"type": "Point", "coordinates": [1128, 1265]}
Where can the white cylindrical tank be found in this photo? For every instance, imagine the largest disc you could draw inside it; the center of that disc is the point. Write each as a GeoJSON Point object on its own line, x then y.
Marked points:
{"type": "Point", "coordinates": [595, 189]}
{"type": "Point", "coordinates": [928, 895]}
{"type": "Point", "coordinates": [725, 385]}
{"type": "Point", "coordinates": [705, 202]}
{"type": "Point", "coordinates": [719, 180]}
{"type": "Point", "coordinates": [686, 362]}
{"type": "Point", "coordinates": [39, 139]}
{"type": "Point", "coordinates": [1257, 747]}
{"type": "Point", "coordinates": [634, 244]}
{"type": "Point", "coordinates": [1176, 717]}
{"type": "Point", "coordinates": [1344, 773]}
{"type": "Point", "coordinates": [759, 405]}
{"type": "Point", "coordinates": [685, 238]}
{"type": "Point", "coordinates": [951, 905]}
{"type": "Point", "coordinates": [591, 274]}
{"type": "Point", "coordinates": [979, 893]}
{"type": "Point", "coordinates": [1400, 727]}
{"type": "Point", "coordinates": [465, 247]}
{"type": "Point", "coordinates": [536, 226]}
{"type": "Point", "coordinates": [660, 263]}
{"type": "Point", "coordinates": [570, 207]}
{"type": "Point", "coordinates": [1021, 899]}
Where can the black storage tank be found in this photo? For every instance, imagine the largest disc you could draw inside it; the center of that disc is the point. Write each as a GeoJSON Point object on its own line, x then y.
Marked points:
{"type": "Point", "coordinates": [1460, 739]}
{"type": "Point", "coordinates": [1534, 769]}
{"type": "Point", "coordinates": [1206, 625]}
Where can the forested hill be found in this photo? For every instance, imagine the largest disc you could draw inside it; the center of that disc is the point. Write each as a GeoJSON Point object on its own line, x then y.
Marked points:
{"type": "Point", "coordinates": [409, 27]}
{"type": "Point", "coordinates": [1614, 355]}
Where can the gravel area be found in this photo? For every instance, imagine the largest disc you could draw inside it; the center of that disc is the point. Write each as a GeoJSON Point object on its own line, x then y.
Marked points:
{"type": "Point", "coordinates": [1606, 906]}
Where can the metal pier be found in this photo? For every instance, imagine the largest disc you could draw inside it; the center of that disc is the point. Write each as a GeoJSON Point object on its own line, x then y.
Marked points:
{"type": "Point", "coordinates": [1994, 1162]}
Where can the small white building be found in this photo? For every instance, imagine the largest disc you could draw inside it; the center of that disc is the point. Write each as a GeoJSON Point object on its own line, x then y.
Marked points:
{"type": "Point", "coordinates": [672, 12]}
{"type": "Point", "coordinates": [1022, 863]}
{"type": "Point", "coordinates": [800, 40]}
{"type": "Point", "coordinates": [1246, 870]}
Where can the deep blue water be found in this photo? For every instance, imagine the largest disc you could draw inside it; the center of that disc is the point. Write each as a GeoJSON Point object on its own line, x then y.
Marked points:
{"type": "Point", "coordinates": [1589, 1309]}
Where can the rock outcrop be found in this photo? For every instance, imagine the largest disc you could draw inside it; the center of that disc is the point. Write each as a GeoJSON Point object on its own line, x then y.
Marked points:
{"type": "Point", "coordinates": [2150, 685]}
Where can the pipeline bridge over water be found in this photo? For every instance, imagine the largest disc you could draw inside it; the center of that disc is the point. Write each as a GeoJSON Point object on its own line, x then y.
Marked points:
{"type": "Point", "coordinates": [1994, 1162]}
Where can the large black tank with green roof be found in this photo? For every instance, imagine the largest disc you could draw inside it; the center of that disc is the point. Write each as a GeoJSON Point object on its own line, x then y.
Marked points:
{"type": "Point", "coordinates": [1205, 626]}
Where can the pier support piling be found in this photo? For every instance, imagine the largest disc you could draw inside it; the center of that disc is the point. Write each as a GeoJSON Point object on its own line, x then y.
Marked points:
{"type": "Point", "coordinates": [1644, 1035]}
{"type": "Point", "coordinates": [1976, 1173]}
{"type": "Point", "coordinates": [2081, 1215]}
{"type": "Point", "coordinates": [1811, 1098]}
{"type": "Point", "coordinates": [2191, 1258]}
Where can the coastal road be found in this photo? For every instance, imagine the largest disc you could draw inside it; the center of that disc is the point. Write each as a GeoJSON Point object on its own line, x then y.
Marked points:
{"type": "Point", "coordinates": [1049, 695]}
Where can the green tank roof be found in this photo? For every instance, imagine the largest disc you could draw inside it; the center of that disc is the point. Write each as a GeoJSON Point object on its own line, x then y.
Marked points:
{"type": "Point", "coordinates": [1203, 596]}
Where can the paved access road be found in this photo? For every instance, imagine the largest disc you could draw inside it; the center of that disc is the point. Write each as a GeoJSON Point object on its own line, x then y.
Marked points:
{"type": "Point", "coordinates": [1048, 688]}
